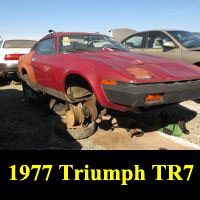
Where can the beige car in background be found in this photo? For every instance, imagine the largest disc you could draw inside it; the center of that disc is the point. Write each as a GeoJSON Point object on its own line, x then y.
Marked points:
{"type": "Point", "coordinates": [120, 33]}
{"type": "Point", "coordinates": [174, 44]}
{"type": "Point", "coordinates": [198, 34]}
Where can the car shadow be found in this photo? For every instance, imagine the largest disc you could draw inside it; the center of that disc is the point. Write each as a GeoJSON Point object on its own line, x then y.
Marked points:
{"type": "Point", "coordinates": [149, 120]}
{"type": "Point", "coordinates": [29, 126]}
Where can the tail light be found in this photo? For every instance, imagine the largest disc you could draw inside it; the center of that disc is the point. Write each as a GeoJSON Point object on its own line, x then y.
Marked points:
{"type": "Point", "coordinates": [12, 56]}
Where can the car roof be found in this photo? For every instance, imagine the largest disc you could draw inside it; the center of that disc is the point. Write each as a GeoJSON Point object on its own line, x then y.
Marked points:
{"type": "Point", "coordinates": [167, 30]}
{"type": "Point", "coordinates": [58, 34]}
{"type": "Point", "coordinates": [162, 30]}
{"type": "Point", "coordinates": [19, 40]}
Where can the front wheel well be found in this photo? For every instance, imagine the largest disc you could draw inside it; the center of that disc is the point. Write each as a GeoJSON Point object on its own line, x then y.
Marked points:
{"type": "Point", "coordinates": [77, 88]}
{"type": "Point", "coordinates": [24, 71]}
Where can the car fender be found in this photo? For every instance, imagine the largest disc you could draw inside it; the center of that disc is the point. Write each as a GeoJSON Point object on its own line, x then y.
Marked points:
{"type": "Point", "coordinates": [94, 83]}
{"type": "Point", "coordinates": [191, 57]}
{"type": "Point", "coordinates": [25, 63]}
{"type": "Point", "coordinates": [94, 78]}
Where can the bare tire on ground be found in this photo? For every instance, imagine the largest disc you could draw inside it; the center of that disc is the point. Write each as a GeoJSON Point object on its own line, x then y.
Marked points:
{"type": "Point", "coordinates": [18, 75]}
{"type": "Point", "coordinates": [29, 94]}
{"type": "Point", "coordinates": [78, 133]}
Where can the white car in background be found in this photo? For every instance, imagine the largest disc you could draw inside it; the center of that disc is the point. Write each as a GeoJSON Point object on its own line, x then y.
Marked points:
{"type": "Point", "coordinates": [10, 51]}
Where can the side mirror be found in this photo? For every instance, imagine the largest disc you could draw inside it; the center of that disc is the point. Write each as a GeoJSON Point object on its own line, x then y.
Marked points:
{"type": "Point", "coordinates": [52, 32]}
{"type": "Point", "coordinates": [169, 44]}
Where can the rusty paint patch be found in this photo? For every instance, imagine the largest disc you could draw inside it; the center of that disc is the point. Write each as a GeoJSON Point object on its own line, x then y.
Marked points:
{"type": "Point", "coordinates": [25, 63]}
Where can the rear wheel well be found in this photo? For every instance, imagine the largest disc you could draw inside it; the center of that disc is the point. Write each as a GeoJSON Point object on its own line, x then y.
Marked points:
{"type": "Point", "coordinates": [77, 88]}
{"type": "Point", "coordinates": [197, 64]}
{"type": "Point", "coordinates": [24, 71]}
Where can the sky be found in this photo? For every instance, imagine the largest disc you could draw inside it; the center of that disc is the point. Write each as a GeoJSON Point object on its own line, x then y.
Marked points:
{"type": "Point", "coordinates": [32, 19]}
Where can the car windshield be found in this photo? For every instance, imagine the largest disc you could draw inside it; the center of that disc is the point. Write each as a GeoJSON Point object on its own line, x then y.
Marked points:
{"type": "Point", "coordinates": [187, 39]}
{"type": "Point", "coordinates": [74, 43]}
{"type": "Point", "coordinates": [19, 44]}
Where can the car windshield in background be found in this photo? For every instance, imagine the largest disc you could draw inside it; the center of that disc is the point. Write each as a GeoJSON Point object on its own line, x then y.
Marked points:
{"type": "Point", "coordinates": [74, 43]}
{"type": "Point", "coordinates": [187, 39]}
{"type": "Point", "coordinates": [19, 44]}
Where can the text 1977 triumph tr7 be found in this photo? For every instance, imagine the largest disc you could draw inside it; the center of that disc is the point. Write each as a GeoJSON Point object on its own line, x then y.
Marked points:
{"type": "Point", "coordinates": [86, 73]}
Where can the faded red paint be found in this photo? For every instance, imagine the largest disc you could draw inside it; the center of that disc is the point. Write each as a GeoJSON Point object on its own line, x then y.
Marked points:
{"type": "Point", "coordinates": [25, 63]}
{"type": "Point", "coordinates": [94, 66]}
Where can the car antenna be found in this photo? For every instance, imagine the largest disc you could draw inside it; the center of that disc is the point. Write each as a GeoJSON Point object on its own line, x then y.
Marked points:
{"type": "Point", "coordinates": [52, 32]}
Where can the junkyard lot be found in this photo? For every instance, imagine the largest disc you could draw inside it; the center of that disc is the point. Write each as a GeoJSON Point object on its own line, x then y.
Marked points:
{"type": "Point", "coordinates": [31, 126]}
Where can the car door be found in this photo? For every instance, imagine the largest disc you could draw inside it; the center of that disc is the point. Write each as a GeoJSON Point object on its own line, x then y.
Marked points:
{"type": "Point", "coordinates": [43, 62]}
{"type": "Point", "coordinates": [135, 43]}
{"type": "Point", "coordinates": [155, 46]}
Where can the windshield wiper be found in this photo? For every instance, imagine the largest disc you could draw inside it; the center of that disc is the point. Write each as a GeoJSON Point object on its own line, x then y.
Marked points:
{"type": "Point", "coordinates": [79, 49]}
{"type": "Point", "coordinates": [116, 48]}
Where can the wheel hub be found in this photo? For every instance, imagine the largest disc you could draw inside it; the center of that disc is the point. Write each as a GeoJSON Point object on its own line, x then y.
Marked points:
{"type": "Point", "coordinates": [74, 115]}
{"type": "Point", "coordinates": [91, 110]}
{"type": "Point", "coordinates": [77, 114]}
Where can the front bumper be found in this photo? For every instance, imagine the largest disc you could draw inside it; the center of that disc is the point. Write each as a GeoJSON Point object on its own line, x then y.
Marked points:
{"type": "Point", "coordinates": [133, 95]}
{"type": "Point", "coordinates": [5, 68]}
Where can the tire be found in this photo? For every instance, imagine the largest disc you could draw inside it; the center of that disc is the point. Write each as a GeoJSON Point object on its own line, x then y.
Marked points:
{"type": "Point", "coordinates": [78, 133]}
{"type": "Point", "coordinates": [18, 75]}
{"type": "Point", "coordinates": [27, 91]}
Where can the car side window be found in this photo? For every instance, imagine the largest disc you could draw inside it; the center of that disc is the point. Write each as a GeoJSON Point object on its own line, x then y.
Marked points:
{"type": "Point", "coordinates": [156, 40]}
{"type": "Point", "coordinates": [47, 47]}
{"type": "Point", "coordinates": [34, 47]}
{"type": "Point", "coordinates": [136, 41]}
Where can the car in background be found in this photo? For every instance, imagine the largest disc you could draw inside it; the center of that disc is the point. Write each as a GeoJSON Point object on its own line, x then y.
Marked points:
{"type": "Point", "coordinates": [10, 51]}
{"type": "Point", "coordinates": [120, 33]}
{"type": "Point", "coordinates": [86, 73]}
{"type": "Point", "coordinates": [173, 44]}
{"type": "Point", "coordinates": [198, 34]}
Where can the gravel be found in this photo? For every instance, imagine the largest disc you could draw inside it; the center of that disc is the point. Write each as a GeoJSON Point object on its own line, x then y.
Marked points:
{"type": "Point", "coordinates": [25, 126]}
{"type": "Point", "coordinates": [194, 127]}
{"type": "Point", "coordinates": [29, 126]}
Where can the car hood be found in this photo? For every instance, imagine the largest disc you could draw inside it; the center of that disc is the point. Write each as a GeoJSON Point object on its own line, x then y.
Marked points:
{"type": "Point", "coordinates": [162, 69]}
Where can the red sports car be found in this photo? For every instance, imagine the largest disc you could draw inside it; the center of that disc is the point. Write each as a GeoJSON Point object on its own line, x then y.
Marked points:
{"type": "Point", "coordinates": [82, 70]}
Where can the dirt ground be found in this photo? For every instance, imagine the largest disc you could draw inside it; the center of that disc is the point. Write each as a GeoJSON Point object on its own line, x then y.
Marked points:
{"type": "Point", "coordinates": [28, 126]}
{"type": "Point", "coordinates": [32, 126]}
